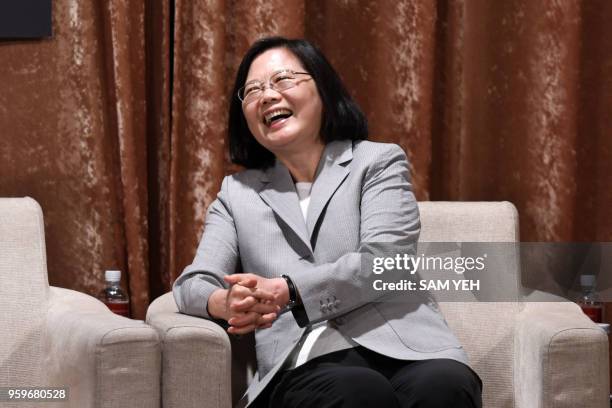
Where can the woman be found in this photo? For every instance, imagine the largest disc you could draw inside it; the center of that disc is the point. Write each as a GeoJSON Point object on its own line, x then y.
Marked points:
{"type": "Point", "coordinates": [293, 231]}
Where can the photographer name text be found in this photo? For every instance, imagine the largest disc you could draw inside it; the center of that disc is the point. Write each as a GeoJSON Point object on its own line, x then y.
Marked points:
{"type": "Point", "coordinates": [428, 285]}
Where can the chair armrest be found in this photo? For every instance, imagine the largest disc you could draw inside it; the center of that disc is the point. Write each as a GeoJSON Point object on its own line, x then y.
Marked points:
{"type": "Point", "coordinates": [561, 358]}
{"type": "Point", "coordinates": [104, 360]}
{"type": "Point", "coordinates": [196, 358]}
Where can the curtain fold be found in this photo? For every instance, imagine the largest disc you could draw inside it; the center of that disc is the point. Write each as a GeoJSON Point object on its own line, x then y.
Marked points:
{"type": "Point", "coordinates": [159, 22]}
{"type": "Point", "coordinates": [125, 68]}
{"type": "Point", "coordinates": [198, 120]}
{"type": "Point", "coordinates": [116, 124]}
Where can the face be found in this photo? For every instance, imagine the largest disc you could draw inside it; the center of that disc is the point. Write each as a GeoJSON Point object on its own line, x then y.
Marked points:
{"type": "Point", "coordinates": [296, 112]}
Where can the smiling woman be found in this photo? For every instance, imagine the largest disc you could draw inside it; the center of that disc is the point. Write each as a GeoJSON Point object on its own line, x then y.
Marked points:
{"type": "Point", "coordinates": [284, 119]}
{"type": "Point", "coordinates": [340, 119]}
{"type": "Point", "coordinates": [272, 244]}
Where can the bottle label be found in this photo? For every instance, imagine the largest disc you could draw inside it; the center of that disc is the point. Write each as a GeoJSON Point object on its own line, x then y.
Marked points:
{"type": "Point", "coordinates": [595, 313]}
{"type": "Point", "coordinates": [121, 308]}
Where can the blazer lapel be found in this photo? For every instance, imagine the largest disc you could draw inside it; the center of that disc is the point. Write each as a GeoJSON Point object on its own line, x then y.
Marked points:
{"type": "Point", "coordinates": [279, 193]}
{"type": "Point", "coordinates": [331, 173]}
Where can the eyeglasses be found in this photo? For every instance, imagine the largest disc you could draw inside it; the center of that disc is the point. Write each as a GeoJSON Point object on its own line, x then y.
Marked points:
{"type": "Point", "coordinates": [279, 81]}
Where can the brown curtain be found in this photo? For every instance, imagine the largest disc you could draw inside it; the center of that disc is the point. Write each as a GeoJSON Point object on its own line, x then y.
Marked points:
{"type": "Point", "coordinates": [116, 124]}
{"type": "Point", "coordinates": [74, 137]}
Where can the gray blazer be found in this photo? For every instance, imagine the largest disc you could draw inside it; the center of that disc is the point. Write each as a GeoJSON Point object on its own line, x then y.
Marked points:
{"type": "Point", "coordinates": [361, 194]}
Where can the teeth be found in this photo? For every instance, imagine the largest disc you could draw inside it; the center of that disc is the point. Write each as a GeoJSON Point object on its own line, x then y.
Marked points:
{"type": "Point", "coordinates": [275, 112]}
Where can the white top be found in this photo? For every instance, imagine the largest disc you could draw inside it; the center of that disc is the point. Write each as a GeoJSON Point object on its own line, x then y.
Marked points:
{"type": "Point", "coordinates": [332, 337]}
{"type": "Point", "coordinates": [303, 192]}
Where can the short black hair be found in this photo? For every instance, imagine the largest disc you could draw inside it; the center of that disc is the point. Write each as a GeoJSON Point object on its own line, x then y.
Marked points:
{"type": "Point", "coordinates": [342, 117]}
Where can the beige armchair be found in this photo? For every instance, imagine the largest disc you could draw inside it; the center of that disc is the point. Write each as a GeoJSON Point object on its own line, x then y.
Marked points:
{"type": "Point", "coordinates": [529, 355]}
{"type": "Point", "coordinates": [53, 337]}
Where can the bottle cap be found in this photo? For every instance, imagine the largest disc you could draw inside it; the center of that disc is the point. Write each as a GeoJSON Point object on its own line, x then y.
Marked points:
{"type": "Point", "coordinates": [587, 280]}
{"type": "Point", "coordinates": [112, 276]}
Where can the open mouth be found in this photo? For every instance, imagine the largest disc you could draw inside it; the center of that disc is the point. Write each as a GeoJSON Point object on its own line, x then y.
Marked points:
{"type": "Point", "coordinates": [276, 115]}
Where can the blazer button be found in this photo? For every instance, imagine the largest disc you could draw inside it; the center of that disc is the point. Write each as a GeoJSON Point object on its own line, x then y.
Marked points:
{"type": "Point", "coordinates": [336, 303]}
{"type": "Point", "coordinates": [324, 308]}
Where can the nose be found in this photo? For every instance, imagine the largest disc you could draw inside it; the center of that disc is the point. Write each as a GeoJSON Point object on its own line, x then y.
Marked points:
{"type": "Point", "coordinates": [269, 95]}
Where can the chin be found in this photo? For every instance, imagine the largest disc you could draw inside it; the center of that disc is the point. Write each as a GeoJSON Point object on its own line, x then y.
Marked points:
{"type": "Point", "coordinates": [272, 141]}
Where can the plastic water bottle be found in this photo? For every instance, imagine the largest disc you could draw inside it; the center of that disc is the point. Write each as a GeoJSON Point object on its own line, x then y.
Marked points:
{"type": "Point", "coordinates": [113, 296]}
{"type": "Point", "coordinates": [588, 301]}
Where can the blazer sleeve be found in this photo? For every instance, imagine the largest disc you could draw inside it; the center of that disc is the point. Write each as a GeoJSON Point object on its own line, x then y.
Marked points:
{"type": "Point", "coordinates": [216, 256]}
{"type": "Point", "coordinates": [389, 224]}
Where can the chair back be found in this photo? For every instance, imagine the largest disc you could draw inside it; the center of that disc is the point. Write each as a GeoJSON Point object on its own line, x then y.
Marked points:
{"type": "Point", "coordinates": [24, 289]}
{"type": "Point", "coordinates": [485, 329]}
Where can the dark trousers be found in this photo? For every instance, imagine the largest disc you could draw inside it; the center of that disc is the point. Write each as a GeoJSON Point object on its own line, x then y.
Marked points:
{"type": "Point", "coordinates": [358, 377]}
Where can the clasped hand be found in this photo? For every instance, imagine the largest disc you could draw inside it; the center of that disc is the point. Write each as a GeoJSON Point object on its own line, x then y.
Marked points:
{"type": "Point", "coordinates": [254, 302]}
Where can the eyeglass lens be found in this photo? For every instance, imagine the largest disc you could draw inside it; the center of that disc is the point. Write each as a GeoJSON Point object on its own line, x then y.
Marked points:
{"type": "Point", "coordinates": [280, 81]}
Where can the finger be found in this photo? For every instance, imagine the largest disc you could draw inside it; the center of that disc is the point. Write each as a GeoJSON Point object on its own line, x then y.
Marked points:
{"type": "Point", "coordinates": [242, 279]}
{"type": "Point", "coordinates": [238, 292]}
{"type": "Point", "coordinates": [250, 304]}
{"type": "Point", "coordinates": [266, 319]}
{"type": "Point", "coordinates": [244, 305]}
{"type": "Point", "coordinates": [235, 277]}
{"type": "Point", "coordinates": [248, 282]}
{"type": "Point", "coordinates": [241, 330]}
{"type": "Point", "coordinates": [263, 295]}
{"type": "Point", "coordinates": [265, 326]}
{"type": "Point", "coordinates": [243, 319]}
{"type": "Point", "coordinates": [263, 308]}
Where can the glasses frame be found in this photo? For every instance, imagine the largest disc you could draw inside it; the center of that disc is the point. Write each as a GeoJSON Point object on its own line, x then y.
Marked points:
{"type": "Point", "coordinates": [269, 84]}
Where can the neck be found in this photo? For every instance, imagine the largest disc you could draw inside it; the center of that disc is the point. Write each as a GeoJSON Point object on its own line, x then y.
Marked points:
{"type": "Point", "coordinates": [303, 165]}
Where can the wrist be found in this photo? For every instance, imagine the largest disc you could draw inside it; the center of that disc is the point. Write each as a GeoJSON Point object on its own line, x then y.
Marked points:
{"type": "Point", "coordinates": [282, 292]}
{"type": "Point", "coordinates": [217, 304]}
{"type": "Point", "coordinates": [295, 303]}
{"type": "Point", "coordinates": [292, 296]}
